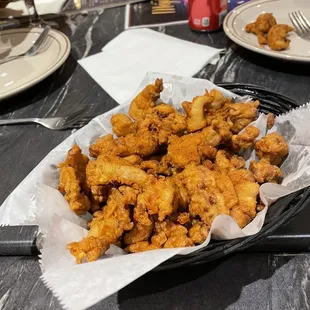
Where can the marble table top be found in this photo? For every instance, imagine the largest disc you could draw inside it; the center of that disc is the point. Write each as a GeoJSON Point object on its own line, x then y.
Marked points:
{"type": "Point", "coordinates": [240, 281]}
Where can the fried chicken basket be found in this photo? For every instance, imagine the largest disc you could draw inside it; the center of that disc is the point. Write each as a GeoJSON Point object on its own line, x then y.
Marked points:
{"type": "Point", "coordinates": [282, 211]}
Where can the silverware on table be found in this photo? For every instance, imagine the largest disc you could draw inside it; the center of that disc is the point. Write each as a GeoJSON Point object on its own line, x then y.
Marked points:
{"type": "Point", "coordinates": [74, 121]}
{"type": "Point", "coordinates": [33, 50]}
{"type": "Point", "coordinates": [301, 24]}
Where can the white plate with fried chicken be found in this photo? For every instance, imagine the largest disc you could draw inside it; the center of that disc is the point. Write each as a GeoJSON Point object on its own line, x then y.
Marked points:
{"type": "Point", "coordinates": [264, 27]}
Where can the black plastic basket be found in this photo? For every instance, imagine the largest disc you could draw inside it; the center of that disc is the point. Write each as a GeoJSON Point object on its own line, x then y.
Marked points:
{"type": "Point", "coordinates": [279, 213]}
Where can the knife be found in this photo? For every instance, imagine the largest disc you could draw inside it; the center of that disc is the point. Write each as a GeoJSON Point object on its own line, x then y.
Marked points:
{"type": "Point", "coordinates": [19, 240]}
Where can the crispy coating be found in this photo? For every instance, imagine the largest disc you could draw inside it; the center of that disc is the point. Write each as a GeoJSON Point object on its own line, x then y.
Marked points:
{"type": "Point", "coordinates": [247, 190]}
{"type": "Point", "coordinates": [276, 37]}
{"type": "Point", "coordinates": [105, 228]}
{"type": "Point", "coordinates": [72, 181]}
{"type": "Point", "coordinates": [195, 112]}
{"type": "Point", "coordinates": [205, 198]}
{"type": "Point", "coordinates": [138, 233]}
{"type": "Point", "coordinates": [265, 172]}
{"type": "Point", "coordinates": [245, 139]}
{"type": "Point", "coordinates": [198, 232]}
{"type": "Point", "coordinates": [143, 144]}
{"type": "Point", "coordinates": [192, 148]}
{"type": "Point", "coordinates": [145, 99]}
{"type": "Point", "coordinates": [122, 125]}
{"type": "Point", "coordinates": [261, 27]}
{"type": "Point", "coordinates": [272, 148]}
{"type": "Point", "coordinates": [270, 120]}
{"type": "Point", "coordinates": [226, 161]}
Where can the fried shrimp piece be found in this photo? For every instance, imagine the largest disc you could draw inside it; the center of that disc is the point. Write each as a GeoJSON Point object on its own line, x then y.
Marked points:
{"type": "Point", "coordinates": [195, 112]}
{"type": "Point", "coordinates": [145, 99]}
{"type": "Point", "coordinates": [261, 26]}
{"type": "Point", "coordinates": [241, 115]}
{"type": "Point", "coordinates": [205, 198]}
{"type": "Point", "coordinates": [122, 125]}
{"type": "Point", "coordinates": [143, 144]}
{"type": "Point", "coordinates": [73, 182]}
{"type": "Point", "coordinates": [272, 148]}
{"type": "Point", "coordinates": [277, 37]}
{"type": "Point", "coordinates": [198, 232]}
{"type": "Point", "coordinates": [192, 147]}
{"type": "Point", "coordinates": [245, 139]}
{"type": "Point", "coordinates": [101, 172]}
{"type": "Point", "coordinates": [105, 228]}
{"type": "Point", "coordinates": [247, 190]}
{"type": "Point", "coordinates": [265, 172]}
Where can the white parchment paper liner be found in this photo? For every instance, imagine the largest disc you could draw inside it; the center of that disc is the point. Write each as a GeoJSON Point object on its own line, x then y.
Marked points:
{"type": "Point", "coordinates": [37, 201]}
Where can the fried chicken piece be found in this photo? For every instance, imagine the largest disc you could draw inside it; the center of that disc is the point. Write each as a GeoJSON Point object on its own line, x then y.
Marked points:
{"type": "Point", "coordinates": [192, 147]}
{"type": "Point", "coordinates": [164, 122]}
{"type": "Point", "coordinates": [138, 233]}
{"type": "Point", "coordinates": [265, 172]}
{"type": "Point", "coordinates": [277, 37]}
{"type": "Point", "coordinates": [195, 112]}
{"type": "Point", "coordinates": [159, 197]}
{"type": "Point", "coordinates": [175, 235]}
{"type": "Point", "coordinates": [245, 139]}
{"type": "Point", "coordinates": [101, 172]}
{"type": "Point", "coordinates": [143, 144]}
{"type": "Point", "coordinates": [156, 167]}
{"type": "Point", "coordinates": [198, 232]}
{"type": "Point", "coordinates": [226, 161]}
{"type": "Point", "coordinates": [122, 125]}
{"type": "Point", "coordinates": [145, 99]}
{"type": "Point", "coordinates": [223, 129]}
{"type": "Point", "coordinates": [247, 190]}
{"type": "Point", "coordinates": [241, 115]}
{"type": "Point", "coordinates": [270, 120]}
{"type": "Point", "coordinates": [205, 198]}
{"type": "Point", "coordinates": [105, 228]}
{"type": "Point", "coordinates": [272, 148]}
{"type": "Point", "coordinates": [72, 181]}
{"type": "Point", "coordinates": [135, 160]}
{"type": "Point", "coordinates": [261, 26]}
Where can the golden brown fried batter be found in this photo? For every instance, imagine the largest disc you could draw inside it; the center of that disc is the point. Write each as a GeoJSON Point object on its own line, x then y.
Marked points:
{"type": "Point", "coordinates": [247, 190]}
{"type": "Point", "coordinates": [204, 196]}
{"type": "Point", "coordinates": [270, 120]}
{"type": "Point", "coordinates": [72, 181]}
{"type": "Point", "coordinates": [226, 161]}
{"type": "Point", "coordinates": [277, 37]}
{"type": "Point", "coordinates": [138, 233]}
{"type": "Point", "coordinates": [198, 232]}
{"type": "Point", "coordinates": [105, 228]}
{"type": "Point", "coordinates": [272, 148]}
{"type": "Point", "coordinates": [261, 26]}
{"type": "Point", "coordinates": [265, 172]}
{"type": "Point", "coordinates": [123, 125]}
{"type": "Point", "coordinates": [245, 139]}
{"type": "Point", "coordinates": [192, 148]}
{"type": "Point", "coordinates": [145, 99]}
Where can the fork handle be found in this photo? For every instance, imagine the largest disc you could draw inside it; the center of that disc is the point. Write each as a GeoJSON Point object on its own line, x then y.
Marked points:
{"type": "Point", "coordinates": [7, 59]}
{"type": "Point", "coordinates": [18, 121]}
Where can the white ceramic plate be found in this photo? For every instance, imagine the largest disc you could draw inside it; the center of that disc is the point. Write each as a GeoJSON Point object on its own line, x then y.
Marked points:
{"type": "Point", "coordinates": [22, 73]}
{"type": "Point", "coordinates": [236, 20]}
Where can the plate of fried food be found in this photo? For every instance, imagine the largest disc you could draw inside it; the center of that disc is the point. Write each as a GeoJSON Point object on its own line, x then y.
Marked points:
{"type": "Point", "coordinates": [184, 172]}
{"type": "Point", "coordinates": [264, 27]}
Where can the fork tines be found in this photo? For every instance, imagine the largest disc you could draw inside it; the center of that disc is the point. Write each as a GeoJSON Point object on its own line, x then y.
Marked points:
{"type": "Point", "coordinates": [301, 24]}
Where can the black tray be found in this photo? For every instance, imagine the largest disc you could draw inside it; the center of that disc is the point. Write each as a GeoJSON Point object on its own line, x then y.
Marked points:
{"type": "Point", "coordinates": [282, 211]}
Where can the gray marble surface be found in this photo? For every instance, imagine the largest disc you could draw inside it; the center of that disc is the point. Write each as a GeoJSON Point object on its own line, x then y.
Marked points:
{"type": "Point", "coordinates": [240, 281]}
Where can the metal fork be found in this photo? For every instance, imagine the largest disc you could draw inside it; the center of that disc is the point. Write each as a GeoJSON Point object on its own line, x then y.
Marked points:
{"type": "Point", "coordinates": [33, 50]}
{"type": "Point", "coordinates": [75, 120]}
{"type": "Point", "coordinates": [301, 24]}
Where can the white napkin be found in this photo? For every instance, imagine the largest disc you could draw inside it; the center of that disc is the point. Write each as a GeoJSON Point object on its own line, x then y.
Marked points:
{"type": "Point", "coordinates": [124, 61]}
